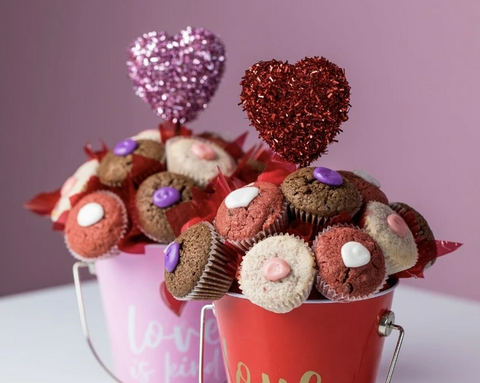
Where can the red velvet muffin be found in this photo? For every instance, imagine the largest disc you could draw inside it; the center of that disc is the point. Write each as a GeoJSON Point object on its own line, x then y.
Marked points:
{"type": "Point", "coordinates": [351, 265]}
{"type": "Point", "coordinates": [251, 213]}
{"type": "Point", "coordinates": [95, 225]}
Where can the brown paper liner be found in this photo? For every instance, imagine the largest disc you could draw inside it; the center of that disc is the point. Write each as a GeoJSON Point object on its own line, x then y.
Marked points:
{"type": "Point", "coordinates": [325, 289]}
{"type": "Point", "coordinates": [219, 271]}
{"type": "Point", "coordinates": [114, 249]}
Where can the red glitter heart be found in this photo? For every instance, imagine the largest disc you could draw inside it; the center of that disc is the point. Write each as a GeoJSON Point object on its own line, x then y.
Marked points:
{"type": "Point", "coordinates": [297, 109]}
{"type": "Point", "coordinates": [173, 304]}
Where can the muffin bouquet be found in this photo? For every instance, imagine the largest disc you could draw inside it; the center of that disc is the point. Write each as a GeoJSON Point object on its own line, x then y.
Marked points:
{"type": "Point", "coordinates": [119, 199]}
{"type": "Point", "coordinates": [296, 232]}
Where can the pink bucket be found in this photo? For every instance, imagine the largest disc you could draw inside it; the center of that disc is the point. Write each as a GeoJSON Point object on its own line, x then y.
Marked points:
{"type": "Point", "coordinates": [154, 338]}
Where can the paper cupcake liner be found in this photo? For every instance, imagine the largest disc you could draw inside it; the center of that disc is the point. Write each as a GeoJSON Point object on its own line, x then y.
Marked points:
{"type": "Point", "coordinates": [331, 294]}
{"type": "Point", "coordinates": [325, 289]}
{"type": "Point", "coordinates": [219, 271]}
{"type": "Point", "coordinates": [319, 222]}
{"type": "Point", "coordinates": [285, 306]}
{"type": "Point", "coordinates": [279, 226]}
{"type": "Point", "coordinates": [113, 251]}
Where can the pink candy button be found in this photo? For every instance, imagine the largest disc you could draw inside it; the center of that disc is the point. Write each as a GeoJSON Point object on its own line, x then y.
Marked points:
{"type": "Point", "coordinates": [397, 224]}
{"type": "Point", "coordinates": [275, 269]}
{"type": "Point", "coordinates": [68, 185]}
{"type": "Point", "coordinates": [203, 151]}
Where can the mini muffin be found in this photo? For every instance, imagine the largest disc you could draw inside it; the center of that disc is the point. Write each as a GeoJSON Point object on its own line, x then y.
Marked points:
{"type": "Point", "coordinates": [277, 273]}
{"type": "Point", "coordinates": [198, 265]}
{"type": "Point", "coordinates": [424, 238]}
{"type": "Point", "coordinates": [367, 186]}
{"type": "Point", "coordinates": [251, 213]}
{"type": "Point", "coordinates": [95, 225]}
{"type": "Point", "coordinates": [198, 158]}
{"type": "Point", "coordinates": [75, 184]}
{"type": "Point", "coordinates": [351, 265]}
{"type": "Point", "coordinates": [155, 196]}
{"type": "Point", "coordinates": [148, 134]}
{"type": "Point", "coordinates": [392, 234]}
{"type": "Point", "coordinates": [117, 164]}
{"type": "Point", "coordinates": [316, 195]}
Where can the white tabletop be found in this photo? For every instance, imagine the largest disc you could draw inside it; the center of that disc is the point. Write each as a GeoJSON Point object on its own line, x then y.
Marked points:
{"type": "Point", "coordinates": [41, 339]}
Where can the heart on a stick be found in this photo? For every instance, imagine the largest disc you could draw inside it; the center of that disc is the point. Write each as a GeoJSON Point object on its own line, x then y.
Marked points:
{"type": "Point", "coordinates": [297, 109]}
{"type": "Point", "coordinates": [177, 75]}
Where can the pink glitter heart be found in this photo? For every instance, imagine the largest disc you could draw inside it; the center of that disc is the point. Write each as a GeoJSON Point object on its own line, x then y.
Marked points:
{"type": "Point", "coordinates": [177, 76]}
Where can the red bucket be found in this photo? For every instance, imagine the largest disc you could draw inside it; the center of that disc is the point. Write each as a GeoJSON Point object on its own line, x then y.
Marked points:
{"type": "Point", "coordinates": [320, 341]}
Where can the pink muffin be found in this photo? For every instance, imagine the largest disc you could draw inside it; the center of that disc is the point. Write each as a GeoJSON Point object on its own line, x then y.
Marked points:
{"type": "Point", "coordinates": [393, 235]}
{"type": "Point", "coordinates": [251, 213]}
{"type": "Point", "coordinates": [95, 225]}
{"type": "Point", "coordinates": [351, 265]}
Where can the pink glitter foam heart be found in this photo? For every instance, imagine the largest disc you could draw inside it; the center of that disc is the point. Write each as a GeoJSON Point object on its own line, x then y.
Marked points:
{"type": "Point", "coordinates": [177, 75]}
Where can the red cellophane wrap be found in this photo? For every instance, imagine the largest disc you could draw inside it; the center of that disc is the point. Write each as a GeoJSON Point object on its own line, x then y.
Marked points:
{"type": "Point", "coordinates": [169, 130]}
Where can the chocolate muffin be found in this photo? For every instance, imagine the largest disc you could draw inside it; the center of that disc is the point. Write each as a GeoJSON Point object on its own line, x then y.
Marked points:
{"type": "Point", "coordinates": [351, 265]}
{"type": "Point", "coordinates": [368, 190]}
{"type": "Point", "coordinates": [423, 235]}
{"type": "Point", "coordinates": [117, 164]}
{"type": "Point", "coordinates": [316, 195]}
{"type": "Point", "coordinates": [198, 266]}
{"type": "Point", "coordinates": [155, 196]}
{"type": "Point", "coordinates": [251, 213]}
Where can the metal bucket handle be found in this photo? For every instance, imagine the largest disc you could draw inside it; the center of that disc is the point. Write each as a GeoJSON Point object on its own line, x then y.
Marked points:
{"type": "Point", "coordinates": [385, 327]}
{"type": "Point", "coordinates": [83, 317]}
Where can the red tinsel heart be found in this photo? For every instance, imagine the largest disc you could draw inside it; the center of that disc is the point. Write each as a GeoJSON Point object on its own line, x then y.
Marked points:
{"type": "Point", "coordinates": [297, 109]}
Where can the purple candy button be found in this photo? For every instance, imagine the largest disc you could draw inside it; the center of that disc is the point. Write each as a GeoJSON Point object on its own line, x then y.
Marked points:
{"type": "Point", "coordinates": [165, 197]}
{"type": "Point", "coordinates": [125, 147]}
{"type": "Point", "coordinates": [328, 176]}
{"type": "Point", "coordinates": [172, 256]}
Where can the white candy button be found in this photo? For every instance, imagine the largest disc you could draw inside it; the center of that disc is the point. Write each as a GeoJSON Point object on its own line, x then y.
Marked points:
{"type": "Point", "coordinates": [367, 177]}
{"type": "Point", "coordinates": [354, 254]}
{"type": "Point", "coordinates": [90, 214]}
{"type": "Point", "coordinates": [241, 197]}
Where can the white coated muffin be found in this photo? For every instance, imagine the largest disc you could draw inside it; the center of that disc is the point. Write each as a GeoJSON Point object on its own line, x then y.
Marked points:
{"type": "Point", "coordinates": [197, 158]}
{"type": "Point", "coordinates": [393, 236]}
{"type": "Point", "coordinates": [277, 273]}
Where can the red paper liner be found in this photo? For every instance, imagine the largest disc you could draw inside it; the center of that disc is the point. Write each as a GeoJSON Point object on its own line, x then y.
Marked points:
{"type": "Point", "coordinates": [114, 250]}
{"type": "Point", "coordinates": [327, 291]}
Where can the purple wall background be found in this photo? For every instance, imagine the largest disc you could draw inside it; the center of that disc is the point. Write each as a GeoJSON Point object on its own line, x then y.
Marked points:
{"type": "Point", "coordinates": [413, 68]}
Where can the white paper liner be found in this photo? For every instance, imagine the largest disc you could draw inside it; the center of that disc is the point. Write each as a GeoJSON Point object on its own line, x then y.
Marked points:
{"type": "Point", "coordinates": [279, 226]}
{"type": "Point", "coordinates": [218, 274]}
{"type": "Point", "coordinates": [286, 306]}
{"type": "Point", "coordinates": [114, 250]}
{"type": "Point", "coordinates": [325, 289]}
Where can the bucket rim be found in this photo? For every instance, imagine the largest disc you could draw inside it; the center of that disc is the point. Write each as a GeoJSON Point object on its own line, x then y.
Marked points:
{"type": "Point", "coordinates": [394, 282]}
